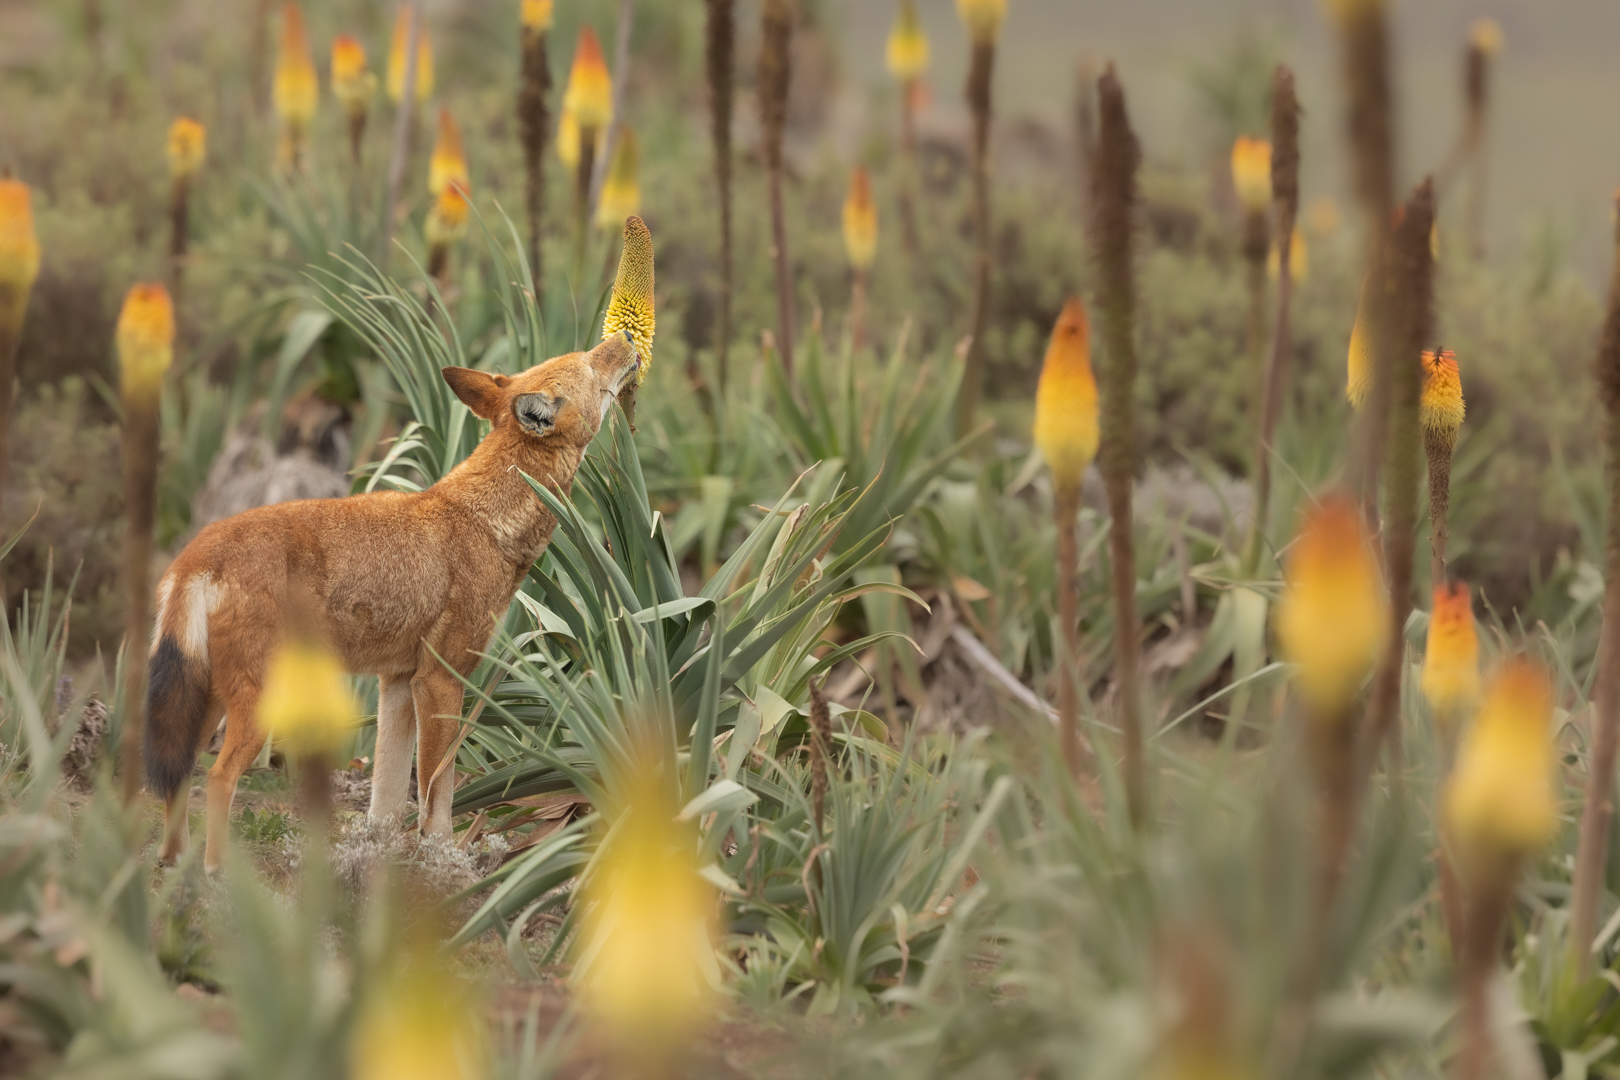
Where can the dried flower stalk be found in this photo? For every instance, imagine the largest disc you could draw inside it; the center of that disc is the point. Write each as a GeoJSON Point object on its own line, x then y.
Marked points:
{"type": "Point", "coordinates": [775, 74]}
{"type": "Point", "coordinates": [534, 119]}
{"type": "Point", "coordinates": [719, 54]}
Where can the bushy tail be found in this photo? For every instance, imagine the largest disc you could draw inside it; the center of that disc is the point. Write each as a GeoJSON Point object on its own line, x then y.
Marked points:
{"type": "Point", "coordinates": [176, 710]}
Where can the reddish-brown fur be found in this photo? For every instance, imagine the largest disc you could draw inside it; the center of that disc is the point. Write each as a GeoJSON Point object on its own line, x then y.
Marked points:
{"type": "Point", "coordinates": [395, 578]}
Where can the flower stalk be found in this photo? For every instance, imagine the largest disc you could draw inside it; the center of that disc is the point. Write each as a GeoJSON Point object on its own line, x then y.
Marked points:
{"type": "Point", "coordinates": [296, 91]}
{"type": "Point", "coordinates": [410, 79]}
{"type": "Point", "coordinates": [719, 55]}
{"type": "Point", "coordinates": [775, 75]}
{"type": "Point", "coordinates": [354, 86]}
{"type": "Point", "coordinates": [1251, 179]}
{"type": "Point", "coordinates": [588, 102]}
{"type": "Point", "coordinates": [187, 144]}
{"type": "Point", "coordinates": [983, 19]}
{"type": "Point", "coordinates": [19, 268]}
{"type": "Point", "coordinates": [534, 117]}
{"type": "Point", "coordinates": [145, 340]}
{"type": "Point", "coordinates": [860, 244]}
{"type": "Point", "coordinates": [1442, 411]}
{"type": "Point", "coordinates": [1450, 684]}
{"type": "Point", "coordinates": [1113, 200]}
{"type": "Point", "coordinates": [906, 54]}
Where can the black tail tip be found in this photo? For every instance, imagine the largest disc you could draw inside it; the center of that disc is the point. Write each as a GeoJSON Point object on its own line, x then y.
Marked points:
{"type": "Point", "coordinates": [176, 711]}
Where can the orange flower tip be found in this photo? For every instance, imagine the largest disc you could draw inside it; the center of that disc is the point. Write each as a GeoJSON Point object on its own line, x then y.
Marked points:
{"type": "Point", "coordinates": [1450, 680]}
{"type": "Point", "coordinates": [1442, 407]}
{"type": "Point", "coordinates": [1066, 424]}
{"type": "Point", "coordinates": [1333, 618]}
{"type": "Point", "coordinates": [860, 221]}
{"type": "Point", "coordinates": [536, 15]}
{"type": "Point", "coordinates": [983, 18]}
{"type": "Point", "coordinates": [1501, 803]}
{"type": "Point", "coordinates": [396, 59]}
{"type": "Point", "coordinates": [589, 95]}
{"type": "Point", "coordinates": [448, 163]}
{"type": "Point", "coordinates": [19, 247]}
{"type": "Point", "coordinates": [145, 336]}
{"type": "Point", "coordinates": [1251, 172]}
{"type": "Point", "coordinates": [352, 84]}
{"type": "Point", "coordinates": [296, 89]}
{"type": "Point", "coordinates": [186, 146]}
{"type": "Point", "coordinates": [906, 52]}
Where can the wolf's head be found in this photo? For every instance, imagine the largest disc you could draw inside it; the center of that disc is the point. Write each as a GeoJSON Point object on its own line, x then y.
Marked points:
{"type": "Point", "coordinates": [563, 400]}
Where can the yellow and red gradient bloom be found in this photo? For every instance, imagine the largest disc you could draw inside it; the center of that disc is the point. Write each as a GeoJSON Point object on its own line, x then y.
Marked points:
{"type": "Point", "coordinates": [535, 16]}
{"type": "Point", "coordinates": [296, 89]}
{"type": "Point", "coordinates": [982, 18]}
{"type": "Point", "coordinates": [1251, 172]}
{"type": "Point", "coordinates": [447, 219]}
{"type": "Point", "coordinates": [589, 95]}
{"type": "Point", "coordinates": [647, 968]}
{"type": "Point", "coordinates": [306, 701]}
{"type": "Point", "coordinates": [1066, 399]}
{"type": "Point", "coordinates": [396, 59]}
{"type": "Point", "coordinates": [906, 51]}
{"type": "Point", "coordinates": [1450, 680]}
{"type": "Point", "coordinates": [631, 305]}
{"type": "Point", "coordinates": [19, 246]}
{"type": "Point", "coordinates": [448, 163]}
{"type": "Point", "coordinates": [621, 188]}
{"type": "Point", "coordinates": [1501, 804]}
{"type": "Point", "coordinates": [1358, 371]}
{"type": "Point", "coordinates": [860, 220]}
{"type": "Point", "coordinates": [352, 83]}
{"type": "Point", "coordinates": [1442, 408]}
{"type": "Point", "coordinates": [186, 147]}
{"type": "Point", "coordinates": [1333, 618]}
{"type": "Point", "coordinates": [145, 339]}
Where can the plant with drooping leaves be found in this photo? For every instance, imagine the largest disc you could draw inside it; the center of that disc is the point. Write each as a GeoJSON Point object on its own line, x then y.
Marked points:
{"type": "Point", "coordinates": [353, 85]}
{"type": "Point", "coordinates": [19, 267]}
{"type": "Point", "coordinates": [1066, 433]}
{"type": "Point", "coordinates": [860, 246]}
{"type": "Point", "coordinates": [296, 90]}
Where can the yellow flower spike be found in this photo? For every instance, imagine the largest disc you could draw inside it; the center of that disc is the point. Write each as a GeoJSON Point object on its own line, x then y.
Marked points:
{"type": "Point", "coordinates": [19, 247]}
{"type": "Point", "coordinates": [352, 84]}
{"type": "Point", "coordinates": [396, 60]}
{"type": "Point", "coordinates": [296, 89]}
{"type": "Point", "coordinates": [1358, 378]}
{"type": "Point", "coordinates": [1334, 614]}
{"type": "Point", "coordinates": [589, 95]}
{"type": "Point", "coordinates": [982, 17]}
{"type": "Point", "coordinates": [621, 189]}
{"type": "Point", "coordinates": [535, 16]}
{"type": "Point", "coordinates": [907, 48]}
{"type": "Point", "coordinates": [448, 164]}
{"type": "Point", "coordinates": [1450, 680]}
{"type": "Point", "coordinates": [1251, 172]}
{"type": "Point", "coordinates": [1066, 398]}
{"type": "Point", "coordinates": [422, 1024]}
{"type": "Point", "coordinates": [1485, 34]}
{"type": "Point", "coordinates": [648, 953]}
{"type": "Point", "coordinates": [568, 138]}
{"type": "Point", "coordinates": [447, 220]}
{"type": "Point", "coordinates": [860, 220]}
{"type": "Point", "coordinates": [306, 701]}
{"type": "Point", "coordinates": [1299, 258]}
{"type": "Point", "coordinates": [1500, 804]}
{"type": "Point", "coordinates": [145, 338]}
{"type": "Point", "coordinates": [631, 306]}
{"type": "Point", "coordinates": [186, 147]}
{"type": "Point", "coordinates": [1442, 408]}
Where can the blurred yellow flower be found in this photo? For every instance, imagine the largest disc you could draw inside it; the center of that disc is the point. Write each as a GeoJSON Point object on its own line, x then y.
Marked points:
{"type": "Point", "coordinates": [535, 15]}
{"type": "Point", "coordinates": [982, 17]}
{"type": "Point", "coordinates": [421, 1025]}
{"type": "Point", "coordinates": [396, 59]}
{"type": "Point", "coordinates": [1485, 34]}
{"type": "Point", "coordinates": [19, 247]}
{"type": "Point", "coordinates": [631, 305]}
{"type": "Point", "coordinates": [145, 338]}
{"type": "Point", "coordinates": [447, 218]}
{"type": "Point", "coordinates": [568, 138]}
{"type": "Point", "coordinates": [1442, 407]}
{"type": "Point", "coordinates": [448, 163]}
{"type": "Point", "coordinates": [296, 89]}
{"type": "Point", "coordinates": [352, 84]}
{"type": "Point", "coordinates": [621, 189]}
{"type": "Point", "coordinates": [1451, 656]}
{"type": "Point", "coordinates": [907, 49]}
{"type": "Point", "coordinates": [1066, 398]}
{"type": "Point", "coordinates": [1251, 172]}
{"type": "Point", "coordinates": [860, 220]}
{"type": "Point", "coordinates": [306, 701]}
{"type": "Point", "coordinates": [1358, 379]}
{"type": "Point", "coordinates": [1323, 217]}
{"type": "Point", "coordinates": [1299, 258]}
{"type": "Point", "coordinates": [649, 929]}
{"type": "Point", "coordinates": [1333, 618]}
{"type": "Point", "coordinates": [1500, 803]}
{"type": "Point", "coordinates": [186, 146]}
{"type": "Point", "coordinates": [589, 95]}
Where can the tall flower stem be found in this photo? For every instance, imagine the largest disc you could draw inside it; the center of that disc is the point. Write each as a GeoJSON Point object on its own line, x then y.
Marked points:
{"type": "Point", "coordinates": [1285, 197]}
{"type": "Point", "coordinates": [981, 70]}
{"type": "Point", "coordinates": [1597, 813]}
{"type": "Point", "coordinates": [582, 194]}
{"type": "Point", "coordinates": [179, 233]}
{"type": "Point", "coordinates": [908, 164]}
{"type": "Point", "coordinates": [533, 120]}
{"type": "Point", "coordinates": [775, 73]}
{"type": "Point", "coordinates": [1114, 200]}
{"type": "Point", "coordinates": [720, 43]}
{"type": "Point", "coordinates": [1066, 507]}
{"type": "Point", "coordinates": [404, 122]}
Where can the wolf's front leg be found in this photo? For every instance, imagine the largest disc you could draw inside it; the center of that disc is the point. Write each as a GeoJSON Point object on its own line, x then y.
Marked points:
{"type": "Point", "coordinates": [438, 696]}
{"type": "Point", "coordinates": [396, 740]}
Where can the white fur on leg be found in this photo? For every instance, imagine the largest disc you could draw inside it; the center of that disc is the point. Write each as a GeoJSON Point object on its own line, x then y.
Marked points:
{"type": "Point", "coordinates": [396, 742]}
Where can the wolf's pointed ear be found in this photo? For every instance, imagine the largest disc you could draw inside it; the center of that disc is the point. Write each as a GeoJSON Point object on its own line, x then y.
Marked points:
{"type": "Point", "coordinates": [537, 412]}
{"type": "Point", "coordinates": [478, 390]}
